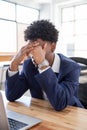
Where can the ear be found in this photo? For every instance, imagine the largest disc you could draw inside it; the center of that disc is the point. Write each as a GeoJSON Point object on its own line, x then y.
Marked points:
{"type": "Point", "coordinates": [53, 46]}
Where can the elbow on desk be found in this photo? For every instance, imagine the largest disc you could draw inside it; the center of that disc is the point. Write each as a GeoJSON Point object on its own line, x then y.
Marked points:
{"type": "Point", "coordinates": [10, 100]}
{"type": "Point", "coordinates": [9, 97]}
{"type": "Point", "coordinates": [59, 107]}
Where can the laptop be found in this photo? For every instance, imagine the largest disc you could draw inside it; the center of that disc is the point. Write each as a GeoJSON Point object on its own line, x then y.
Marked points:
{"type": "Point", "coordinates": [10, 120]}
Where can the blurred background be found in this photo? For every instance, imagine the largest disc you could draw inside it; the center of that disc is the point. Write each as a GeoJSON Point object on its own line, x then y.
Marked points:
{"type": "Point", "coordinates": [69, 17]}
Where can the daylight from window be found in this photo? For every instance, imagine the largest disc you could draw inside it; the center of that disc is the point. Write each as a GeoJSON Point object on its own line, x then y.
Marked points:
{"type": "Point", "coordinates": [13, 21]}
{"type": "Point", "coordinates": [74, 30]}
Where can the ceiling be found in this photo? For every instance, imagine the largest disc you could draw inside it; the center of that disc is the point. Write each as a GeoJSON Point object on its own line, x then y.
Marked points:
{"type": "Point", "coordinates": [37, 3]}
{"type": "Point", "coordinates": [30, 1]}
{"type": "Point", "coordinates": [27, 2]}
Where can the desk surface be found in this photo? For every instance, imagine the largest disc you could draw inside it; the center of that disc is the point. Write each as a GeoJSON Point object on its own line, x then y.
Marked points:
{"type": "Point", "coordinates": [71, 118]}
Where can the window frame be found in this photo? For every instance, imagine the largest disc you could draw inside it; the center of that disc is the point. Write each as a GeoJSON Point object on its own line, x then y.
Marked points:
{"type": "Point", "coordinates": [13, 53]}
{"type": "Point", "coordinates": [58, 10]}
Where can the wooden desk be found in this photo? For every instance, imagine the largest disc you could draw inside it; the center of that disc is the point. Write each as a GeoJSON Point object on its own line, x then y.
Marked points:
{"type": "Point", "coordinates": [71, 118]}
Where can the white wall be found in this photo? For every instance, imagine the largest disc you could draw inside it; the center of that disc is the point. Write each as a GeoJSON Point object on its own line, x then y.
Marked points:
{"type": "Point", "coordinates": [45, 12]}
{"type": "Point", "coordinates": [28, 3]}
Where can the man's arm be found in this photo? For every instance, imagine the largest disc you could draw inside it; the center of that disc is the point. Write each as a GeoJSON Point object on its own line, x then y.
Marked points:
{"type": "Point", "coordinates": [16, 84]}
{"type": "Point", "coordinates": [59, 92]}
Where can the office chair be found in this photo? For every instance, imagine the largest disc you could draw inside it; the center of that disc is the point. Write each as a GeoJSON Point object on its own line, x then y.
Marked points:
{"type": "Point", "coordinates": [82, 93]}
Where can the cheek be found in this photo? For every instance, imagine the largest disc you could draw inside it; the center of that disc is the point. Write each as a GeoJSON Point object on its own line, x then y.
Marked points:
{"type": "Point", "coordinates": [48, 51]}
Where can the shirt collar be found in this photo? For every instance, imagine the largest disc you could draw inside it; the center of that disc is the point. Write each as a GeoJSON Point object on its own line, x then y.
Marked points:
{"type": "Point", "coordinates": [56, 64]}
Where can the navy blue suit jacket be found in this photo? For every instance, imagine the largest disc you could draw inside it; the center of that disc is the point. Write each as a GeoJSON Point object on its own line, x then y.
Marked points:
{"type": "Point", "coordinates": [61, 90]}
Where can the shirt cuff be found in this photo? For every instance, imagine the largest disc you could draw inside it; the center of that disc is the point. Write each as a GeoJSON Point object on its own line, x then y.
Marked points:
{"type": "Point", "coordinates": [12, 73]}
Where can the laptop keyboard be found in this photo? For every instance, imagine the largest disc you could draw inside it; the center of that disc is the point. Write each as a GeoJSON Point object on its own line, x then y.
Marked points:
{"type": "Point", "coordinates": [15, 125]}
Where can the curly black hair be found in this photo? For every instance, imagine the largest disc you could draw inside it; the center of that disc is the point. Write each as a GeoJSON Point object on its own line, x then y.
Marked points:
{"type": "Point", "coordinates": [42, 29]}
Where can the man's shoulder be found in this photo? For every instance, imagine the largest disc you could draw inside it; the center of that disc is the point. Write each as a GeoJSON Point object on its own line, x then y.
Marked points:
{"type": "Point", "coordinates": [68, 61]}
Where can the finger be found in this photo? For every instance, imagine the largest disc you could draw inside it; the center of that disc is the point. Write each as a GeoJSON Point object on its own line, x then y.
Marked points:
{"type": "Point", "coordinates": [28, 52]}
{"type": "Point", "coordinates": [27, 49]}
{"type": "Point", "coordinates": [35, 44]}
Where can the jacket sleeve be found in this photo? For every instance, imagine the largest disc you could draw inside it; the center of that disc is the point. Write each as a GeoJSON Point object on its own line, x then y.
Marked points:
{"type": "Point", "coordinates": [59, 92]}
{"type": "Point", "coordinates": [15, 86]}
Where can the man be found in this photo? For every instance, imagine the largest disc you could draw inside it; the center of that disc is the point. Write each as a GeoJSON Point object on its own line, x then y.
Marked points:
{"type": "Point", "coordinates": [47, 75]}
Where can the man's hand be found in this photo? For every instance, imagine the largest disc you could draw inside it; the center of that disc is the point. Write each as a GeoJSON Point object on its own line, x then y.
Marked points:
{"type": "Point", "coordinates": [19, 57]}
{"type": "Point", "coordinates": [38, 53]}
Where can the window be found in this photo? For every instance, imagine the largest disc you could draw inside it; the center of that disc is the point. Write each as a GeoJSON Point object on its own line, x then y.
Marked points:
{"type": "Point", "coordinates": [7, 10]}
{"type": "Point", "coordinates": [20, 30]}
{"type": "Point", "coordinates": [26, 15]}
{"type": "Point", "coordinates": [74, 30]}
{"type": "Point", "coordinates": [7, 36]}
{"type": "Point", "coordinates": [13, 21]}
